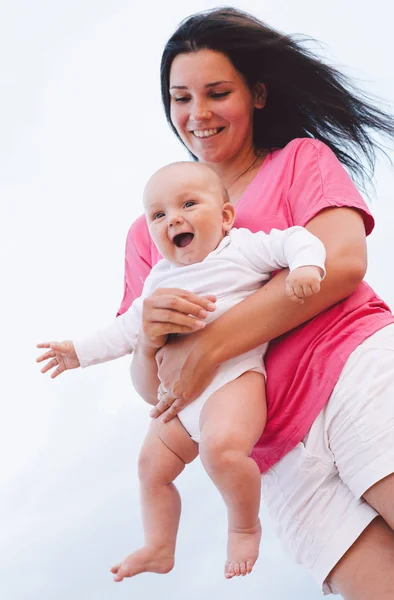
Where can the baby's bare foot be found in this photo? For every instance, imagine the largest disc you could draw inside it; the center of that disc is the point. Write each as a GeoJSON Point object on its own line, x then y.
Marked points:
{"type": "Point", "coordinates": [147, 559]}
{"type": "Point", "coordinates": [242, 551]}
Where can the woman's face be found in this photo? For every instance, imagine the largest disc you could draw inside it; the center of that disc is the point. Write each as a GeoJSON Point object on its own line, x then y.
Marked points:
{"type": "Point", "coordinates": [211, 106]}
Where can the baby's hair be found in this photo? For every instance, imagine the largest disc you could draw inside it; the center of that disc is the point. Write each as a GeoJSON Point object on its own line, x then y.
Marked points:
{"type": "Point", "coordinates": [197, 165]}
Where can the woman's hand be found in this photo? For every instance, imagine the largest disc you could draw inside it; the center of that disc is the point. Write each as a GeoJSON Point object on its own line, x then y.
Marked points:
{"type": "Point", "coordinates": [172, 310]}
{"type": "Point", "coordinates": [186, 366]}
{"type": "Point", "coordinates": [61, 355]}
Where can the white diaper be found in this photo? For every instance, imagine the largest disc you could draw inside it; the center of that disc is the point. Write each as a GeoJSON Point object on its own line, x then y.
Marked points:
{"type": "Point", "coordinates": [228, 371]}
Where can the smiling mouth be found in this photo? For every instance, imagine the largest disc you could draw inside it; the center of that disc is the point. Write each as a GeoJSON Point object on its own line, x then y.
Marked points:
{"type": "Point", "coordinates": [183, 239]}
{"type": "Point", "coordinates": [206, 133]}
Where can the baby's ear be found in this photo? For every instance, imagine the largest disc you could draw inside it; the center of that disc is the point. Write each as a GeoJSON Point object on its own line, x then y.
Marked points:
{"type": "Point", "coordinates": [228, 213]}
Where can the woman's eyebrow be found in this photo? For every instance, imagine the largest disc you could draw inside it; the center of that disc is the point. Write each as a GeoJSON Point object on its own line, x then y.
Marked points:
{"type": "Point", "coordinates": [207, 85]}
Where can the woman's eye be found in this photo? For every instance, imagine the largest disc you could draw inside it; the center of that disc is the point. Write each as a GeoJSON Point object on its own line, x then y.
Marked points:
{"type": "Point", "coordinates": [181, 99]}
{"type": "Point", "coordinates": [189, 203]}
{"type": "Point", "coordinates": [219, 94]}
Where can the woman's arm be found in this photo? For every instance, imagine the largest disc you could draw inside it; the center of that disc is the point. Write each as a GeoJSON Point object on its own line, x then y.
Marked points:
{"type": "Point", "coordinates": [267, 313]}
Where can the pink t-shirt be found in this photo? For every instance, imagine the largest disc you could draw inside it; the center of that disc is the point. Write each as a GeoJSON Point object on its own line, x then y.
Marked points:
{"type": "Point", "coordinates": [292, 186]}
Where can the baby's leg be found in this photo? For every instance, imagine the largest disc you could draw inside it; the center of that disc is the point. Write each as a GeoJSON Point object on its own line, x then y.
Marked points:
{"type": "Point", "coordinates": [232, 421]}
{"type": "Point", "coordinates": [166, 450]}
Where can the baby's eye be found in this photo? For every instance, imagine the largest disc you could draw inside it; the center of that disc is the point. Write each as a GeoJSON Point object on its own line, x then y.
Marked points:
{"type": "Point", "coordinates": [189, 203]}
{"type": "Point", "coordinates": [157, 215]}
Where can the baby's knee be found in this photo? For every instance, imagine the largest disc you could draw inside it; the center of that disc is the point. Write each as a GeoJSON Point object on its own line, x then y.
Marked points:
{"type": "Point", "coordinates": [218, 451]}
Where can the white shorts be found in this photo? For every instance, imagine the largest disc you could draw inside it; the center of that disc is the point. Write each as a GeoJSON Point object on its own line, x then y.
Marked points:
{"type": "Point", "coordinates": [228, 371]}
{"type": "Point", "coordinates": [314, 494]}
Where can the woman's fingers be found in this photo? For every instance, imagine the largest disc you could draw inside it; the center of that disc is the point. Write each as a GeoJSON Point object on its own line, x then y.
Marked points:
{"type": "Point", "coordinates": [174, 409]}
{"type": "Point", "coordinates": [164, 403]}
{"type": "Point", "coordinates": [172, 310]}
{"type": "Point", "coordinates": [180, 301]}
{"type": "Point", "coordinates": [165, 315]}
{"type": "Point", "coordinates": [168, 406]}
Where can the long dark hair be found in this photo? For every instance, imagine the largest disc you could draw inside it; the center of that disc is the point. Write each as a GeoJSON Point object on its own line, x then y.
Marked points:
{"type": "Point", "coordinates": [306, 98]}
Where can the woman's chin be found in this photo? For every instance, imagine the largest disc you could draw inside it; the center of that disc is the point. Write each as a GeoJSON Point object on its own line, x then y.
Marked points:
{"type": "Point", "coordinates": [209, 155]}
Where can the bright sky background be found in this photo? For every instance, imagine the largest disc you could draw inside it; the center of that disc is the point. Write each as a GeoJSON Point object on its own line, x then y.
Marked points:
{"type": "Point", "coordinates": [81, 130]}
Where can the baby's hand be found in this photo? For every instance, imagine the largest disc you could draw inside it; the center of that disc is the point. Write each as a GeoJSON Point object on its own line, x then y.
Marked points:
{"type": "Point", "coordinates": [303, 282]}
{"type": "Point", "coordinates": [61, 355]}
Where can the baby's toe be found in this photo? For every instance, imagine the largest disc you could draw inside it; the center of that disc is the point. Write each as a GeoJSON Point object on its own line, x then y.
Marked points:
{"type": "Point", "coordinates": [229, 570]}
{"type": "Point", "coordinates": [120, 574]}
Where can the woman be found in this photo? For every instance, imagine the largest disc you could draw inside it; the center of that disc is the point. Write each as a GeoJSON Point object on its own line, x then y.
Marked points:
{"type": "Point", "coordinates": [272, 121]}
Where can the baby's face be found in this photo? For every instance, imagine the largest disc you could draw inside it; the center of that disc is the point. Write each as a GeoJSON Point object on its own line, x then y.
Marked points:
{"type": "Point", "coordinates": [186, 212]}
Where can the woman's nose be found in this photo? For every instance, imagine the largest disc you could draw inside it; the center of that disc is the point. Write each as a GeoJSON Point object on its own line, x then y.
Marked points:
{"type": "Point", "coordinates": [200, 112]}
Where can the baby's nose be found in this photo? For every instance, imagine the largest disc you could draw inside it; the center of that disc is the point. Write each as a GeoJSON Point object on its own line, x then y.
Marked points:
{"type": "Point", "coordinates": [175, 220]}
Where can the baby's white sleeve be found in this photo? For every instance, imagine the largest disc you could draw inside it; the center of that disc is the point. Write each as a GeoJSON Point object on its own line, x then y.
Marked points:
{"type": "Point", "coordinates": [117, 339]}
{"type": "Point", "coordinates": [293, 247]}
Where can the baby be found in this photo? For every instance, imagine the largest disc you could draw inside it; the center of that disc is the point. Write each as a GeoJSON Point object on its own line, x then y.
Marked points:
{"type": "Point", "coordinates": [190, 220]}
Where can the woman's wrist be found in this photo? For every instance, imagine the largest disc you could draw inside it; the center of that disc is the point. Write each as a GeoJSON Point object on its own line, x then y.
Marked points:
{"type": "Point", "coordinates": [209, 344]}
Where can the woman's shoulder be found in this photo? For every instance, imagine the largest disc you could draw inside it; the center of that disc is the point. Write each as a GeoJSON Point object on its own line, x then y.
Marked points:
{"type": "Point", "coordinates": [318, 180]}
{"type": "Point", "coordinates": [306, 148]}
{"type": "Point", "coordinates": [308, 161]}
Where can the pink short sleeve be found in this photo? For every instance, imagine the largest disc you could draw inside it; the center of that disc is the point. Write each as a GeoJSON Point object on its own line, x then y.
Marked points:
{"type": "Point", "coordinates": [319, 181]}
{"type": "Point", "coordinates": [138, 262]}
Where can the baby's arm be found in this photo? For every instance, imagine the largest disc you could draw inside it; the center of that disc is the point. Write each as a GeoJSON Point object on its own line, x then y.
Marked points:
{"type": "Point", "coordinates": [113, 341]}
{"type": "Point", "coordinates": [305, 255]}
{"type": "Point", "coordinates": [116, 340]}
{"type": "Point", "coordinates": [295, 248]}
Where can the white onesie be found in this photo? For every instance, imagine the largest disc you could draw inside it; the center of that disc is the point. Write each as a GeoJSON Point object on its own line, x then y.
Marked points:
{"type": "Point", "coordinates": [238, 267]}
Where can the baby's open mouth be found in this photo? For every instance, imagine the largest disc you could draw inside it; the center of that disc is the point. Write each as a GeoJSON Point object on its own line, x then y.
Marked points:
{"type": "Point", "coordinates": [183, 239]}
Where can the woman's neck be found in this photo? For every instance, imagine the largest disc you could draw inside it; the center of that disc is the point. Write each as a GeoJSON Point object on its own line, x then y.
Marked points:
{"type": "Point", "coordinates": [237, 174]}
